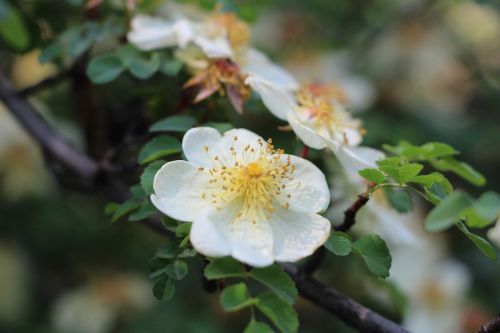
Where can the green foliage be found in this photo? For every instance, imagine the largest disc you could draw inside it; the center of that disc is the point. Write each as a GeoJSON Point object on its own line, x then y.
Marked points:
{"type": "Point", "coordinates": [160, 146]}
{"type": "Point", "coordinates": [181, 123]}
{"type": "Point", "coordinates": [280, 312]}
{"type": "Point", "coordinates": [236, 297]}
{"type": "Point", "coordinates": [400, 199]}
{"type": "Point", "coordinates": [483, 211]}
{"type": "Point", "coordinates": [482, 244]}
{"type": "Point", "coordinates": [105, 68]}
{"type": "Point", "coordinates": [277, 281]}
{"type": "Point", "coordinates": [257, 327]}
{"type": "Point", "coordinates": [13, 29]}
{"type": "Point", "coordinates": [339, 243]}
{"type": "Point", "coordinates": [449, 211]}
{"type": "Point", "coordinates": [163, 288]}
{"type": "Point", "coordinates": [223, 268]}
{"type": "Point", "coordinates": [375, 253]}
{"type": "Point", "coordinates": [146, 210]}
{"type": "Point", "coordinates": [177, 270]}
{"type": "Point", "coordinates": [373, 175]}
{"type": "Point", "coordinates": [148, 175]}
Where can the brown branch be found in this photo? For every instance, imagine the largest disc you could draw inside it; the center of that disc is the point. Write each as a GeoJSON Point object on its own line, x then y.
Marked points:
{"type": "Point", "coordinates": [350, 213]}
{"type": "Point", "coordinates": [348, 310]}
{"type": "Point", "coordinates": [47, 83]}
{"type": "Point", "coordinates": [493, 326]}
{"type": "Point", "coordinates": [351, 312]}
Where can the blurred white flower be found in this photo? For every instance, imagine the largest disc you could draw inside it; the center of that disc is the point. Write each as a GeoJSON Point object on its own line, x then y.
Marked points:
{"type": "Point", "coordinates": [245, 198]}
{"type": "Point", "coordinates": [319, 120]}
{"type": "Point", "coordinates": [95, 307]}
{"type": "Point", "coordinates": [14, 285]}
{"type": "Point", "coordinates": [22, 169]}
{"type": "Point", "coordinates": [494, 234]}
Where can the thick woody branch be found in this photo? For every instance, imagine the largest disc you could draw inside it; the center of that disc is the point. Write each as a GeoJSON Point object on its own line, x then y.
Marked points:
{"type": "Point", "coordinates": [493, 326]}
{"type": "Point", "coordinates": [351, 312]}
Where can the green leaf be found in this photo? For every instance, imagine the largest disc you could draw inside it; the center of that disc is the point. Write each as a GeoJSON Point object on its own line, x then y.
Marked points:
{"type": "Point", "coordinates": [339, 243]}
{"type": "Point", "coordinates": [169, 250]}
{"type": "Point", "coordinates": [159, 147]}
{"type": "Point", "coordinates": [111, 207]}
{"type": "Point", "coordinates": [104, 69]}
{"type": "Point", "coordinates": [482, 244]}
{"type": "Point", "coordinates": [171, 67]}
{"type": "Point", "coordinates": [257, 327]}
{"type": "Point", "coordinates": [223, 268]}
{"type": "Point", "coordinates": [484, 211]}
{"type": "Point", "coordinates": [449, 211]}
{"type": "Point", "coordinates": [400, 200]}
{"type": "Point", "coordinates": [373, 175]}
{"type": "Point", "coordinates": [180, 123]}
{"type": "Point", "coordinates": [462, 169]}
{"type": "Point", "coordinates": [427, 151]}
{"type": "Point", "coordinates": [183, 229]}
{"type": "Point", "coordinates": [144, 68]}
{"type": "Point", "coordinates": [177, 270]}
{"type": "Point", "coordinates": [146, 210]}
{"type": "Point", "coordinates": [235, 297]}
{"type": "Point", "coordinates": [127, 53]}
{"type": "Point", "coordinates": [50, 52]}
{"type": "Point", "coordinates": [125, 208]}
{"type": "Point", "coordinates": [375, 253]}
{"type": "Point", "coordinates": [277, 280]}
{"type": "Point", "coordinates": [169, 223]}
{"type": "Point", "coordinates": [281, 313]}
{"type": "Point", "coordinates": [148, 176]}
{"type": "Point", "coordinates": [13, 29]}
{"type": "Point", "coordinates": [164, 289]}
{"type": "Point", "coordinates": [402, 174]}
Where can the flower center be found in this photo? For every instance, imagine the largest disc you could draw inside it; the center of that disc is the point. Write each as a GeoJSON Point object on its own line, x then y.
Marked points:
{"type": "Point", "coordinates": [252, 177]}
{"type": "Point", "coordinates": [317, 109]}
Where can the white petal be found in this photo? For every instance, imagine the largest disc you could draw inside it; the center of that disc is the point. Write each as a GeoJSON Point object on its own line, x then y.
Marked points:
{"type": "Point", "coordinates": [305, 133]}
{"type": "Point", "coordinates": [258, 64]}
{"type": "Point", "coordinates": [149, 33]}
{"type": "Point", "coordinates": [353, 136]}
{"type": "Point", "coordinates": [297, 235]}
{"type": "Point", "coordinates": [177, 190]}
{"type": "Point", "coordinates": [313, 194]}
{"type": "Point", "coordinates": [238, 139]}
{"type": "Point", "coordinates": [194, 142]}
{"type": "Point", "coordinates": [220, 233]}
{"type": "Point", "coordinates": [494, 234]}
{"type": "Point", "coordinates": [354, 159]}
{"type": "Point", "coordinates": [214, 47]}
{"type": "Point", "coordinates": [279, 101]}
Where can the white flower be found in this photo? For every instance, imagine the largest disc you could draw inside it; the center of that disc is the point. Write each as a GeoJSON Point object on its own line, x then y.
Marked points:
{"type": "Point", "coordinates": [245, 198]}
{"type": "Point", "coordinates": [319, 121]}
{"type": "Point", "coordinates": [494, 234]}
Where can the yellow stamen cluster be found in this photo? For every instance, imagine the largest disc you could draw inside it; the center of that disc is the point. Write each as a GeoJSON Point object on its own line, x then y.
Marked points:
{"type": "Point", "coordinates": [252, 177]}
{"type": "Point", "coordinates": [230, 26]}
{"type": "Point", "coordinates": [321, 113]}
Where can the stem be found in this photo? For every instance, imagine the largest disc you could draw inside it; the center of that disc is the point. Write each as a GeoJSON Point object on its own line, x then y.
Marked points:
{"type": "Point", "coordinates": [305, 151]}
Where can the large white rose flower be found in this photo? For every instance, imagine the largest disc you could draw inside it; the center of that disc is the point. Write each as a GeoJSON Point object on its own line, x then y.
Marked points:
{"type": "Point", "coordinates": [319, 121]}
{"type": "Point", "coordinates": [245, 199]}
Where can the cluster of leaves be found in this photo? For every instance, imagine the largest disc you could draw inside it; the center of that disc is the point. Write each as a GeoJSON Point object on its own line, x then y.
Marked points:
{"type": "Point", "coordinates": [275, 303]}
{"type": "Point", "coordinates": [403, 174]}
{"type": "Point", "coordinates": [107, 67]}
{"type": "Point", "coordinates": [372, 248]}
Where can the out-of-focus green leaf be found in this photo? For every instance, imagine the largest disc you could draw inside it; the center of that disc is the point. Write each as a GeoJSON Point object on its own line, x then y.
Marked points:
{"type": "Point", "coordinates": [257, 327]}
{"type": "Point", "coordinates": [484, 211]}
{"type": "Point", "coordinates": [221, 127]}
{"type": "Point", "coordinates": [164, 289]}
{"type": "Point", "coordinates": [448, 212]}
{"type": "Point", "coordinates": [146, 210]}
{"type": "Point", "coordinates": [277, 280]}
{"type": "Point", "coordinates": [373, 175]}
{"type": "Point", "coordinates": [222, 268]}
{"type": "Point", "coordinates": [143, 68]}
{"type": "Point", "coordinates": [177, 270]}
{"type": "Point", "coordinates": [104, 69]}
{"type": "Point", "coordinates": [148, 175]}
{"type": "Point", "coordinates": [125, 208]}
{"type": "Point", "coordinates": [13, 29]}
{"type": "Point", "coordinates": [183, 229]}
{"type": "Point", "coordinates": [181, 123]}
{"type": "Point", "coordinates": [462, 169]}
{"type": "Point", "coordinates": [339, 243]}
{"type": "Point", "coordinates": [235, 297]}
{"type": "Point", "coordinates": [375, 253]}
{"type": "Point", "coordinates": [399, 199]}
{"type": "Point", "coordinates": [280, 312]}
{"type": "Point", "coordinates": [168, 250]}
{"type": "Point", "coordinates": [171, 67]}
{"type": "Point", "coordinates": [482, 244]}
{"type": "Point", "coordinates": [159, 147]}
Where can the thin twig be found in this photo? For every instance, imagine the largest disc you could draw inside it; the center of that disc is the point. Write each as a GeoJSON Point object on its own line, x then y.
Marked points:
{"type": "Point", "coordinates": [348, 310]}
{"type": "Point", "coordinates": [47, 83]}
{"type": "Point", "coordinates": [493, 326]}
{"type": "Point", "coordinates": [350, 213]}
